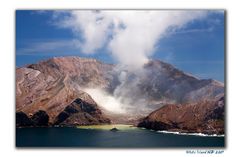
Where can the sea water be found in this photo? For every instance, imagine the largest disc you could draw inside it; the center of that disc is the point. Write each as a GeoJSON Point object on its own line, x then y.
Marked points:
{"type": "Point", "coordinates": [100, 136]}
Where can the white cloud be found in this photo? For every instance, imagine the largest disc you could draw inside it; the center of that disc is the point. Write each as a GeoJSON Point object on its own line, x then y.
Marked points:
{"type": "Point", "coordinates": [131, 38]}
{"type": "Point", "coordinates": [48, 47]}
{"type": "Point", "coordinates": [106, 101]}
{"type": "Point", "coordinates": [129, 35]}
{"type": "Point", "coordinates": [89, 25]}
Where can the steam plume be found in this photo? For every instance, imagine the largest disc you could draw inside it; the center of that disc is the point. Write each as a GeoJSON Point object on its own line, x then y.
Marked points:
{"type": "Point", "coordinates": [130, 36]}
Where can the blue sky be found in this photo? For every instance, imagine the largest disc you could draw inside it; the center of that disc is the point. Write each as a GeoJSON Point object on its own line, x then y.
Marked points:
{"type": "Point", "coordinates": [196, 48]}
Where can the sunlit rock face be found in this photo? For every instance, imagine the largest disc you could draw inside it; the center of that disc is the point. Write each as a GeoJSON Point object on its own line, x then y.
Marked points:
{"type": "Point", "coordinates": [202, 117]}
{"type": "Point", "coordinates": [54, 84]}
{"type": "Point", "coordinates": [158, 83]}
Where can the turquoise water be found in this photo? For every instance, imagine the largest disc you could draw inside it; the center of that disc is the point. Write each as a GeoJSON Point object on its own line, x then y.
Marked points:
{"type": "Point", "coordinates": [126, 137]}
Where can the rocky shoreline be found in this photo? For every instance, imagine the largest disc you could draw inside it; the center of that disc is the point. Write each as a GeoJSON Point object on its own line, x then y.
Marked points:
{"type": "Point", "coordinates": [51, 93]}
{"type": "Point", "coordinates": [76, 113]}
{"type": "Point", "coordinates": [203, 117]}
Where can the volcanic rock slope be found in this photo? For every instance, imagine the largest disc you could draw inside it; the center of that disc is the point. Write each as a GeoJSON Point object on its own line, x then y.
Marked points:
{"type": "Point", "coordinates": [202, 117]}
{"type": "Point", "coordinates": [57, 83]}
{"type": "Point", "coordinates": [165, 81]}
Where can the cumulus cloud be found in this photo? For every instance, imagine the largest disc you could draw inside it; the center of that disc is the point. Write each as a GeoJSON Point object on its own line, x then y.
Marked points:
{"type": "Point", "coordinates": [130, 36]}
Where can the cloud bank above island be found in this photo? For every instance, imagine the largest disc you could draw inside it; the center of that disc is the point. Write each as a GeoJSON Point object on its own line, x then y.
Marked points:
{"type": "Point", "coordinates": [118, 36]}
{"type": "Point", "coordinates": [130, 36]}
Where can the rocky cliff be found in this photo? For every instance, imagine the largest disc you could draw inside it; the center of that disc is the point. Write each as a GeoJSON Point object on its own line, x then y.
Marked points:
{"type": "Point", "coordinates": [202, 117]}
{"type": "Point", "coordinates": [52, 85]}
{"type": "Point", "coordinates": [81, 113]}
{"type": "Point", "coordinates": [56, 86]}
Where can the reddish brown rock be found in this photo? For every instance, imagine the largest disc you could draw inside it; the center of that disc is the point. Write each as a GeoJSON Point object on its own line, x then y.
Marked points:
{"type": "Point", "coordinates": [80, 112]}
{"type": "Point", "coordinates": [202, 117]}
{"type": "Point", "coordinates": [53, 84]}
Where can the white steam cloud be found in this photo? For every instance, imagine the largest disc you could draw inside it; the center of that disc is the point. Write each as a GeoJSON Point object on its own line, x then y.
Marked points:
{"type": "Point", "coordinates": [106, 101]}
{"type": "Point", "coordinates": [130, 36]}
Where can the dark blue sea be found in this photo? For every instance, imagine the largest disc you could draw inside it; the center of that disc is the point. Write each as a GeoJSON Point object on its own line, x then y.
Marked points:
{"type": "Point", "coordinates": [95, 138]}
